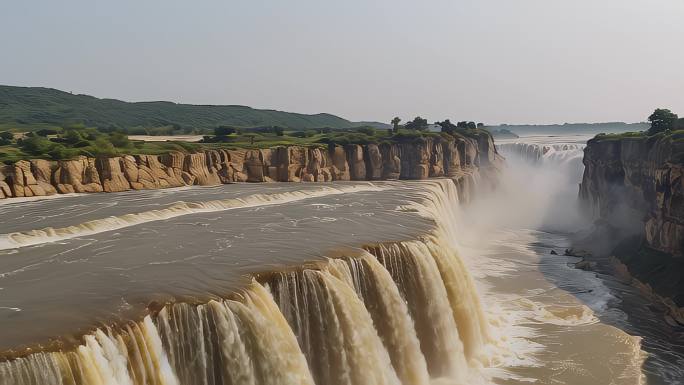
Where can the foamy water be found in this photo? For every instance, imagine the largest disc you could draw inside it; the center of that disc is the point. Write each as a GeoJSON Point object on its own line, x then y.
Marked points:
{"type": "Point", "coordinates": [177, 209]}
{"type": "Point", "coordinates": [450, 295]}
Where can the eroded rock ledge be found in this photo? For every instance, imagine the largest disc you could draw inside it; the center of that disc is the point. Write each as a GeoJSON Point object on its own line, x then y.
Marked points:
{"type": "Point", "coordinates": [634, 187]}
{"type": "Point", "coordinates": [418, 159]}
{"type": "Point", "coordinates": [637, 181]}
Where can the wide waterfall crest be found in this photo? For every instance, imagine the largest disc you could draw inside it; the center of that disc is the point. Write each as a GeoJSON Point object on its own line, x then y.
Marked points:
{"type": "Point", "coordinates": [388, 314]}
{"type": "Point", "coordinates": [50, 234]}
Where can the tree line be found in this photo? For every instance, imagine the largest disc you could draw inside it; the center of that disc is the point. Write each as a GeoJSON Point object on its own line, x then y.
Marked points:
{"type": "Point", "coordinates": [421, 124]}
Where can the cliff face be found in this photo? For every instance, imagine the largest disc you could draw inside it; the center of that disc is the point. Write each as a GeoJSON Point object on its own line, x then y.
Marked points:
{"type": "Point", "coordinates": [636, 182]}
{"type": "Point", "coordinates": [634, 188]}
{"type": "Point", "coordinates": [420, 159]}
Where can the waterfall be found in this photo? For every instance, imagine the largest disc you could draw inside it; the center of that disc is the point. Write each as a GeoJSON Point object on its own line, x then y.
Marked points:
{"type": "Point", "coordinates": [563, 157]}
{"type": "Point", "coordinates": [387, 314]}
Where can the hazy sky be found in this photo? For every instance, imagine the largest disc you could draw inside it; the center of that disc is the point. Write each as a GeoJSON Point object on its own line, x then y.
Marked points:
{"type": "Point", "coordinates": [514, 61]}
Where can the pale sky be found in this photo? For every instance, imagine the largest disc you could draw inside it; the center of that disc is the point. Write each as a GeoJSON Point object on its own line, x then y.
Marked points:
{"type": "Point", "coordinates": [496, 61]}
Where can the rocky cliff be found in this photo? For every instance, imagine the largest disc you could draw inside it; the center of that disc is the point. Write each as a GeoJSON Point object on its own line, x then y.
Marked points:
{"type": "Point", "coordinates": [633, 186]}
{"type": "Point", "coordinates": [638, 179]}
{"type": "Point", "coordinates": [416, 159]}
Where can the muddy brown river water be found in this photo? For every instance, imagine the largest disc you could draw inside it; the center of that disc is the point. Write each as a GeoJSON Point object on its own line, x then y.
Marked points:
{"type": "Point", "coordinates": [234, 285]}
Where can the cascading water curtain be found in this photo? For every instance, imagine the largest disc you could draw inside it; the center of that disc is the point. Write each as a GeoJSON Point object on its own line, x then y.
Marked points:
{"type": "Point", "coordinates": [395, 313]}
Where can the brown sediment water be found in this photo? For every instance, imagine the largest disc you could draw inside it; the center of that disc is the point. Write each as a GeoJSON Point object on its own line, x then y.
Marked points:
{"type": "Point", "coordinates": [351, 283]}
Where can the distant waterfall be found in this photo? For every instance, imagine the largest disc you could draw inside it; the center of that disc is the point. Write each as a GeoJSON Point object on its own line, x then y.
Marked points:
{"type": "Point", "coordinates": [389, 314]}
{"type": "Point", "coordinates": [566, 156]}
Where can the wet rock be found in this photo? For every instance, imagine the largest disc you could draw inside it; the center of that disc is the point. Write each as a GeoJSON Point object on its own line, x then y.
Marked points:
{"type": "Point", "coordinates": [577, 253]}
{"type": "Point", "coordinates": [553, 252]}
{"type": "Point", "coordinates": [585, 265]}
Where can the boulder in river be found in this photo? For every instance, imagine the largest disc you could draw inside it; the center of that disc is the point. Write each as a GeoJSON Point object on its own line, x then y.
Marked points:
{"type": "Point", "coordinates": [585, 265]}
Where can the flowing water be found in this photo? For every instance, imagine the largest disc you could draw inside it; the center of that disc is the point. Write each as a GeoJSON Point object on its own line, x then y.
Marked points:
{"type": "Point", "coordinates": [556, 163]}
{"type": "Point", "coordinates": [344, 283]}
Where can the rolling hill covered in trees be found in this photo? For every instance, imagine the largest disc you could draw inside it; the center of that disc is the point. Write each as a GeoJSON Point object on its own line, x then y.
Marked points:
{"type": "Point", "coordinates": [30, 107]}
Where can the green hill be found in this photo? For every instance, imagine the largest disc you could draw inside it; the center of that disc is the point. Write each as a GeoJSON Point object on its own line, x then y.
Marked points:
{"type": "Point", "coordinates": [26, 108]}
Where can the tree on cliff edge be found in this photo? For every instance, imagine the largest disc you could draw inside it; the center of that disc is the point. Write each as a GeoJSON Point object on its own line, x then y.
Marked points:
{"type": "Point", "coordinates": [417, 123]}
{"type": "Point", "coordinates": [395, 123]}
{"type": "Point", "coordinates": [661, 120]}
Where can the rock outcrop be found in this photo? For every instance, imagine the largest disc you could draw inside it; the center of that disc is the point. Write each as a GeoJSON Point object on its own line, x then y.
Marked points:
{"type": "Point", "coordinates": [420, 158]}
{"type": "Point", "coordinates": [23, 183]}
{"type": "Point", "coordinates": [5, 191]}
{"type": "Point", "coordinates": [636, 182]}
{"type": "Point", "coordinates": [112, 174]}
{"type": "Point", "coordinates": [77, 176]}
{"type": "Point", "coordinates": [42, 171]}
{"type": "Point", "coordinates": [633, 187]}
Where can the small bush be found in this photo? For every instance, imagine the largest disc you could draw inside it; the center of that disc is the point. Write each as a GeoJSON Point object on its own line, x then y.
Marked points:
{"type": "Point", "coordinates": [300, 134]}
{"type": "Point", "coordinates": [46, 132]}
{"type": "Point", "coordinates": [36, 145]}
{"type": "Point", "coordinates": [82, 143]}
{"type": "Point", "coordinates": [103, 148]}
{"type": "Point", "coordinates": [370, 131]}
{"type": "Point", "coordinates": [224, 130]}
{"type": "Point", "coordinates": [60, 152]}
{"type": "Point", "coordinates": [119, 139]}
{"type": "Point", "coordinates": [345, 138]}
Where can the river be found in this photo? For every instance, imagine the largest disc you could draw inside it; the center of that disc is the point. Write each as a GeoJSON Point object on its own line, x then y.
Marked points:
{"type": "Point", "coordinates": [552, 164]}
{"type": "Point", "coordinates": [406, 282]}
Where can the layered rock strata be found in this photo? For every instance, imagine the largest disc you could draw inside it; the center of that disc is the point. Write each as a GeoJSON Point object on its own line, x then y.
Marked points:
{"type": "Point", "coordinates": [633, 187]}
{"type": "Point", "coordinates": [636, 182]}
{"type": "Point", "coordinates": [416, 159]}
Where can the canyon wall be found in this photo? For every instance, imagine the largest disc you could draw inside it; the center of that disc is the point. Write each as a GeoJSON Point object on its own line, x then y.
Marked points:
{"type": "Point", "coordinates": [634, 189]}
{"type": "Point", "coordinates": [416, 159]}
{"type": "Point", "coordinates": [636, 182]}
